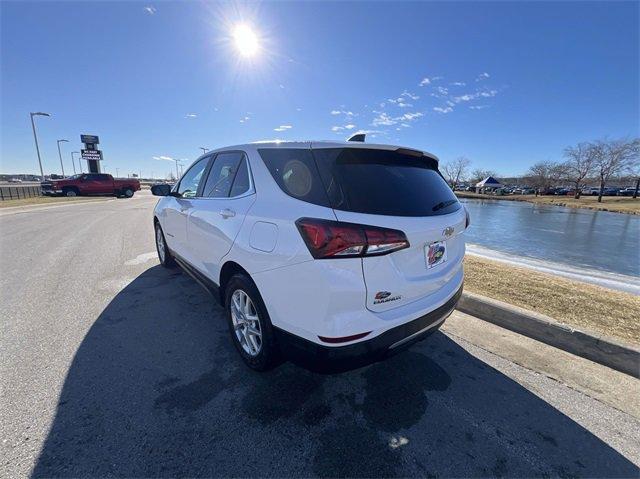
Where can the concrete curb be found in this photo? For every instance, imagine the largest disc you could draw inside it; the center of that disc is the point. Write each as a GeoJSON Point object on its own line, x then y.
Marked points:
{"type": "Point", "coordinates": [587, 344]}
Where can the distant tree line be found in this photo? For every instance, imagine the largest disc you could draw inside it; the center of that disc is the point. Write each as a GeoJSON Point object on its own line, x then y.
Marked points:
{"type": "Point", "coordinates": [597, 162]}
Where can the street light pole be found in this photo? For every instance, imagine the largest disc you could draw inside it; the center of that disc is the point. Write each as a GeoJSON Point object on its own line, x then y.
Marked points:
{"type": "Point", "coordinates": [73, 163]}
{"type": "Point", "coordinates": [117, 172]}
{"type": "Point", "coordinates": [79, 163]}
{"type": "Point", "coordinates": [35, 137]}
{"type": "Point", "coordinates": [177, 172]}
{"type": "Point", "coordinates": [60, 154]}
{"type": "Point", "coordinates": [204, 150]}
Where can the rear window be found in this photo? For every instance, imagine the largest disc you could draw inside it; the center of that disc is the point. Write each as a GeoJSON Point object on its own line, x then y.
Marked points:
{"type": "Point", "coordinates": [383, 182]}
{"type": "Point", "coordinates": [362, 180]}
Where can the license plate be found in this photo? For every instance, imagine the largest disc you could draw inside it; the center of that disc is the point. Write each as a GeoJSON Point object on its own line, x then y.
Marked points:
{"type": "Point", "coordinates": [436, 253]}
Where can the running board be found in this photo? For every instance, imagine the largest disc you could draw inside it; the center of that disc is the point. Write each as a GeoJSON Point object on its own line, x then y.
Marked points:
{"type": "Point", "coordinates": [212, 288]}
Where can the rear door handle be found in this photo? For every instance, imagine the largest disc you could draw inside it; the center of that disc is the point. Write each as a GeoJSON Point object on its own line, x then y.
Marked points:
{"type": "Point", "coordinates": [227, 213]}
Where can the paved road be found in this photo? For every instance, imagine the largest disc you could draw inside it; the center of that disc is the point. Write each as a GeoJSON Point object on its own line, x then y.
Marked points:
{"type": "Point", "coordinates": [114, 366]}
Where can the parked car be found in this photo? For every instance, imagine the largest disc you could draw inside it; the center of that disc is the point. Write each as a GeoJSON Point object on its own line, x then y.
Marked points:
{"type": "Point", "coordinates": [590, 191]}
{"type": "Point", "coordinates": [15, 180]}
{"type": "Point", "coordinates": [331, 254]}
{"type": "Point", "coordinates": [628, 191]}
{"type": "Point", "coordinates": [611, 191]}
{"type": "Point", "coordinates": [91, 184]}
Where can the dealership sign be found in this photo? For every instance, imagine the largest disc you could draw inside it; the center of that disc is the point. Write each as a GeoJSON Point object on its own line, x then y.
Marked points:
{"type": "Point", "coordinates": [91, 155]}
{"type": "Point", "coordinates": [89, 139]}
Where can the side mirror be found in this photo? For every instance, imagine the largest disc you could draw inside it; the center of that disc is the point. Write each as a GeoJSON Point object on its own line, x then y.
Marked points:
{"type": "Point", "coordinates": [161, 190]}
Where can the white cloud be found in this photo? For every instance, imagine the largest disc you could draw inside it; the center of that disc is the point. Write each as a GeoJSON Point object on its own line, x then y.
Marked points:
{"type": "Point", "coordinates": [467, 97]}
{"type": "Point", "coordinates": [473, 96]}
{"type": "Point", "coordinates": [410, 116]}
{"type": "Point", "coordinates": [150, 10]}
{"type": "Point", "coordinates": [191, 115]}
{"type": "Point", "coordinates": [350, 126]}
{"type": "Point", "coordinates": [410, 95]}
{"type": "Point", "coordinates": [447, 109]}
{"type": "Point", "coordinates": [245, 119]}
{"type": "Point", "coordinates": [167, 158]}
{"type": "Point", "coordinates": [482, 76]}
{"type": "Point", "coordinates": [458, 83]}
{"type": "Point", "coordinates": [383, 119]}
{"type": "Point", "coordinates": [402, 104]}
{"type": "Point", "coordinates": [428, 81]}
{"type": "Point", "coordinates": [337, 128]}
{"type": "Point", "coordinates": [281, 86]}
{"type": "Point", "coordinates": [478, 107]}
{"type": "Point", "coordinates": [283, 128]}
{"type": "Point", "coordinates": [343, 112]}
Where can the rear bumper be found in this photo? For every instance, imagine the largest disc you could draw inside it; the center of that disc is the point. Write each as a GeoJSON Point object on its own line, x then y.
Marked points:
{"type": "Point", "coordinates": [327, 359]}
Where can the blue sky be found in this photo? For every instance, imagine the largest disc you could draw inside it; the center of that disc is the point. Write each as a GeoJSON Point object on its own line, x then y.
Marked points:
{"type": "Point", "coordinates": [505, 84]}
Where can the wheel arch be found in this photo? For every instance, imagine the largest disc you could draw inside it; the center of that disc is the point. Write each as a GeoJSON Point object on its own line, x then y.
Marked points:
{"type": "Point", "coordinates": [226, 272]}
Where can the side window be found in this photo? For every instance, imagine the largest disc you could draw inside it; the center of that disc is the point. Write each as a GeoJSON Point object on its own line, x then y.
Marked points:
{"type": "Point", "coordinates": [296, 173]}
{"type": "Point", "coordinates": [241, 183]}
{"type": "Point", "coordinates": [191, 179]}
{"type": "Point", "coordinates": [222, 174]}
{"type": "Point", "coordinates": [103, 177]}
{"type": "Point", "coordinates": [91, 177]}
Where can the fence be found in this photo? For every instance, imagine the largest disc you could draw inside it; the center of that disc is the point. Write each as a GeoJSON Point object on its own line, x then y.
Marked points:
{"type": "Point", "coordinates": [17, 192]}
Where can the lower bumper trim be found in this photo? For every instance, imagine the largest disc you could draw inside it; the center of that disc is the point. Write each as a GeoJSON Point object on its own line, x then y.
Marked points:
{"type": "Point", "coordinates": [343, 358]}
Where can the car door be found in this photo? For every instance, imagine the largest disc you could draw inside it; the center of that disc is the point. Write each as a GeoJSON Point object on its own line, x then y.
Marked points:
{"type": "Point", "coordinates": [216, 221]}
{"type": "Point", "coordinates": [178, 207]}
{"type": "Point", "coordinates": [89, 184]}
{"type": "Point", "coordinates": [103, 184]}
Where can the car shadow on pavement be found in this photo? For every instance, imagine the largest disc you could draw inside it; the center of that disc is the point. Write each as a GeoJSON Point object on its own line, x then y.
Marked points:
{"type": "Point", "coordinates": [156, 389]}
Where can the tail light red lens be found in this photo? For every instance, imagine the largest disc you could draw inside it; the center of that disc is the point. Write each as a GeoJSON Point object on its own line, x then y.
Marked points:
{"type": "Point", "coordinates": [335, 239]}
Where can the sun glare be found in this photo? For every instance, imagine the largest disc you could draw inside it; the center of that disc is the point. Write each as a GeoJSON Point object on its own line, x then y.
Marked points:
{"type": "Point", "coordinates": [245, 40]}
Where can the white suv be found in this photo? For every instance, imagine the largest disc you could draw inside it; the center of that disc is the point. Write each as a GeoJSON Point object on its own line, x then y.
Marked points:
{"type": "Point", "coordinates": [329, 254]}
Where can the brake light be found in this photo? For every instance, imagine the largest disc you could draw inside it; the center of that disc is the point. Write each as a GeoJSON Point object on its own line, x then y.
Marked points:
{"type": "Point", "coordinates": [336, 239]}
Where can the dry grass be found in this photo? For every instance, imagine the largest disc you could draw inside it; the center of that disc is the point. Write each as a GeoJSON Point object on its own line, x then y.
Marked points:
{"type": "Point", "coordinates": [618, 204]}
{"type": "Point", "coordinates": [41, 200]}
{"type": "Point", "coordinates": [586, 306]}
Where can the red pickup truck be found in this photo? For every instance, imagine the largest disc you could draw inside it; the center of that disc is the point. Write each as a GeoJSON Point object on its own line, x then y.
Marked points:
{"type": "Point", "coordinates": [90, 184]}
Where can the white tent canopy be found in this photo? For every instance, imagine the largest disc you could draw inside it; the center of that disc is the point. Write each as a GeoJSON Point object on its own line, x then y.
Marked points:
{"type": "Point", "coordinates": [489, 182]}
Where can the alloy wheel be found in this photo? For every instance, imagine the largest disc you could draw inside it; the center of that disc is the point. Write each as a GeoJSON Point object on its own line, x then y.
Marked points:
{"type": "Point", "coordinates": [246, 323]}
{"type": "Point", "coordinates": [160, 244]}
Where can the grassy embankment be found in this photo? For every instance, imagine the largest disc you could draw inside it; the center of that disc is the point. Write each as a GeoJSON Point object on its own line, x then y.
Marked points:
{"type": "Point", "coordinates": [39, 200]}
{"type": "Point", "coordinates": [618, 204]}
{"type": "Point", "coordinates": [577, 304]}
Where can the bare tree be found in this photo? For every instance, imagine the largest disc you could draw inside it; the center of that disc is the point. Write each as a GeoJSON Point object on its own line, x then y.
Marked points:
{"type": "Point", "coordinates": [612, 158]}
{"type": "Point", "coordinates": [456, 170]}
{"type": "Point", "coordinates": [543, 174]}
{"type": "Point", "coordinates": [579, 164]}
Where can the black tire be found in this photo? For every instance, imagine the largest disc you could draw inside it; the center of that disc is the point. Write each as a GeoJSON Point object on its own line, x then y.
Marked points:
{"type": "Point", "coordinates": [268, 356]}
{"type": "Point", "coordinates": [70, 192]}
{"type": "Point", "coordinates": [166, 260]}
{"type": "Point", "coordinates": [128, 193]}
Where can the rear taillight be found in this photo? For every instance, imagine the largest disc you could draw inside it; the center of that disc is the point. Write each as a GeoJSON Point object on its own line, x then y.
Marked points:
{"type": "Point", "coordinates": [335, 239]}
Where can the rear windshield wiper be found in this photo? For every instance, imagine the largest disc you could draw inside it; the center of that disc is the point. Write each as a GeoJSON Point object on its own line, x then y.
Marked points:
{"type": "Point", "coordinates": [443, 204]}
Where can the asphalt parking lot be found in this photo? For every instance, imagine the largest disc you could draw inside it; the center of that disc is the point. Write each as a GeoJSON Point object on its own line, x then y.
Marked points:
{"type": "Point", "coordinates": [114, 366]}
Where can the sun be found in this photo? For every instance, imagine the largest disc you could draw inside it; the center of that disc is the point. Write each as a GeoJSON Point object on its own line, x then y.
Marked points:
{"type": "Point", "coordinates": [246, 41]}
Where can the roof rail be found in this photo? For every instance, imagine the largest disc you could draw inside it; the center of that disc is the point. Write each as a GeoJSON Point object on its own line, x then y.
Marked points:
{"type": "Point", "coordinates": [358, 137]}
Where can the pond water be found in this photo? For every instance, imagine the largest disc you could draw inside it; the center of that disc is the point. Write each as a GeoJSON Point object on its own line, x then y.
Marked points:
{"type": "Point", "coordinates": [599, 241]}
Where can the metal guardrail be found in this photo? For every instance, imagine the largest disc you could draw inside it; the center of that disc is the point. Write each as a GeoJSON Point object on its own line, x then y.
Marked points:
{"type": "Point", "coordinates": [18, 192]}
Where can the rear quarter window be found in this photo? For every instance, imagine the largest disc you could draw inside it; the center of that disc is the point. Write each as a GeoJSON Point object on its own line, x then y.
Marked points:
{"type": "Point", "coordinates": [296, 173]}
